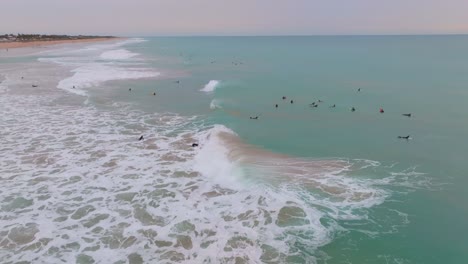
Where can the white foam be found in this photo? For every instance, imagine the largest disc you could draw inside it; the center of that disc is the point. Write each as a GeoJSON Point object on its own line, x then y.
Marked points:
{"type": "Point", "coordinates": [213, 161]}
{"type": "Point", "coordinates": [3, 85]}
{"type": "Point", "coordinates": [119, 54]}
{"type": "Point", "coordinates": [73, 50]}
{"type": "Point", "coordinates": [210, 86]}
{"type": "Point", "coordinates": [215, 104]}
{"type": "Point", "coordinates": [64, 157]}
{"type": "Point", "coordinates": [74, 157]}
{"type": "Point", "coordinates": [94, 74]}
{"type": "Point", "coordinates": [89, 70]}
{"type": "Point", "coordinates": [107, 46]}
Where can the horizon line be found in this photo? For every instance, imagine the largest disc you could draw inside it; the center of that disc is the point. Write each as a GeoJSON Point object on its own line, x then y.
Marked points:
{"type": "Point", "coordinates": [302, 35]}
{"type": "Point", "coordinates": [248, 35]}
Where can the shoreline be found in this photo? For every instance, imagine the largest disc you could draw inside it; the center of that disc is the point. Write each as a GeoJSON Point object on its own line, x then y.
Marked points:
{"type": "Point", "coordinates": [46, 43]}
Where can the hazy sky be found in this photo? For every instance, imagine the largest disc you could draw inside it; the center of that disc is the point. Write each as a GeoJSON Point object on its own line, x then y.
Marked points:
{"type": "Point", "coordinates": [233, 17]}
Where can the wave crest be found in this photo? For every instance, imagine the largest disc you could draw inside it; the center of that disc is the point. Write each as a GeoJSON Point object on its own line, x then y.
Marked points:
{"type": "Point", "coordinates": [210, 86]}
{"type": "Point", "coordinates": [119, 54]}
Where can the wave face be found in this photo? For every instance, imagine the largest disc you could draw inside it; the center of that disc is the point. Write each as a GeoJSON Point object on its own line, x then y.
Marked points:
{"type": "Point", "coordinates": [210, 86]}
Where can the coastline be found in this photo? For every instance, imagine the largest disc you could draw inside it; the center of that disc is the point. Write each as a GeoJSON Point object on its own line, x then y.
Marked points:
{"type": "Point", "coordinates": [45, 43]}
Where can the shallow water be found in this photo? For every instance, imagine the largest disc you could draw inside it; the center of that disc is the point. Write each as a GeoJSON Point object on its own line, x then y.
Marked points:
{"type": "Point", "coordinates": [298, 185]}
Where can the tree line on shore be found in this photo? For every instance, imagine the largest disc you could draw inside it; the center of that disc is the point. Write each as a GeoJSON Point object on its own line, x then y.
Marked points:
{"type": "Point", "coordinates": [40, 37]}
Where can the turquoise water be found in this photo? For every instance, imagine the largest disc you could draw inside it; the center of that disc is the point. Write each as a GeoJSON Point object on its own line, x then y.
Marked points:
{"type": "Point", "coordinates": [299, 185]}
{"type": "Point", "coordinates": [423, 75]}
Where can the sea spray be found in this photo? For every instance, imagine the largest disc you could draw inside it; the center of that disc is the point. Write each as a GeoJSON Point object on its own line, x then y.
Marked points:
{"type": "Point", "coordinates": [210, 86]}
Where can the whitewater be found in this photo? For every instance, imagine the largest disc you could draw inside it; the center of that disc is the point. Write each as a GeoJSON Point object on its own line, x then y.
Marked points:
{"type": "Point", "coordinates": [79, 187]}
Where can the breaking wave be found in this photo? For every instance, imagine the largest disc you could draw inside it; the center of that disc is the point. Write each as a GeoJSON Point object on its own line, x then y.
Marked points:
{"type": "Point", "coordinates": [210, 86]}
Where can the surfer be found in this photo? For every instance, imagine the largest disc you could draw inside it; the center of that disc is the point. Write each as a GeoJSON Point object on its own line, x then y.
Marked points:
{"type": "Point", "coordinates": [353, 109]}
{"type": "Point", "coordinates": [333, 106]}
{"type": "Point", "coordinates": [292, 102]}
{"type": "Point", "coordinates": [408, 115]}
{"type": "Point", "coordinates": [129, 89]}
{"type": "Point", "coordinates": [401, 137]}
{"type": "Point", "coordinates": [276, 105]}
{"type": "Point", "coordinates": [141, 138]}
{"type": "Point", "coordinates": [359, 89]}
{"type": "Point", "coordinates": [154, 93]}
{"type": "Point", "coordinates": [34, 85]}
{"type": "Point", "coordinates": [194, 145]}
{"type": "Point", "coordinates": [284, 97]}
{"type": "Point", "coordinates": [381, 110]}
{"type": "Point", "coordinates": [254, 117]}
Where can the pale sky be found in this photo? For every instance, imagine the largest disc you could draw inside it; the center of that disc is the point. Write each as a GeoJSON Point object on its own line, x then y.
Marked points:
{"type": "Point", "coordinates": [234, 17]}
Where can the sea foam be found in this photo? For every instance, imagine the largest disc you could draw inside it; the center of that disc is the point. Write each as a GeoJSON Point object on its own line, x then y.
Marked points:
{"type": "Point", "coordinates": [78, 185]}
{"type": "Point", "coordinates": [119, 54]}
{"type": "Point", "coordinates": [89, 69]}
{"type": "Point", "coordinates": [210, 86]}
{"type": "Point", "coordinates": [215, 104]}
{"type": "Point", "coordinates": [95, 74]}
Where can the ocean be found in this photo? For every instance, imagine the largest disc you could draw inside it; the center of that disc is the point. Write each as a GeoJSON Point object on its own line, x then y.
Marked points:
{"type": "Point", "coordinates": [269, 180]}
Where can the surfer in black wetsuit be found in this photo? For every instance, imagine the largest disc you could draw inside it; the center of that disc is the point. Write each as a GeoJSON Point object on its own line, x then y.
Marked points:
{"type": "Point", "coordinates": [401, 137]}
{"type": "Point", "coordinates": [284, 97]}
{"type": "Point", "coordinates": [276, 105]}
{"type": "Point", "coordinates": [333, 106]}
{"type": "Point", "coordinates": [408, 115]}
{"type": "Point", "coordinates": [254, 117]}
{"type": "Point", "coordinates": [129, 89]}
{"type": "Point", "coordinates": [141, 138]}
{"type": "Point", "coordinates": [292, 102]}
{"type": "Point", "coordinates": [353, 109]}
{"type": "Point", "coordinates": [194, 145]}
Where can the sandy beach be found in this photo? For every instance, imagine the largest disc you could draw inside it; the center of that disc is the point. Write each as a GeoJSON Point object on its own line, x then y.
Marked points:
{"type": "Point", "coordinates": [29, 44]}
